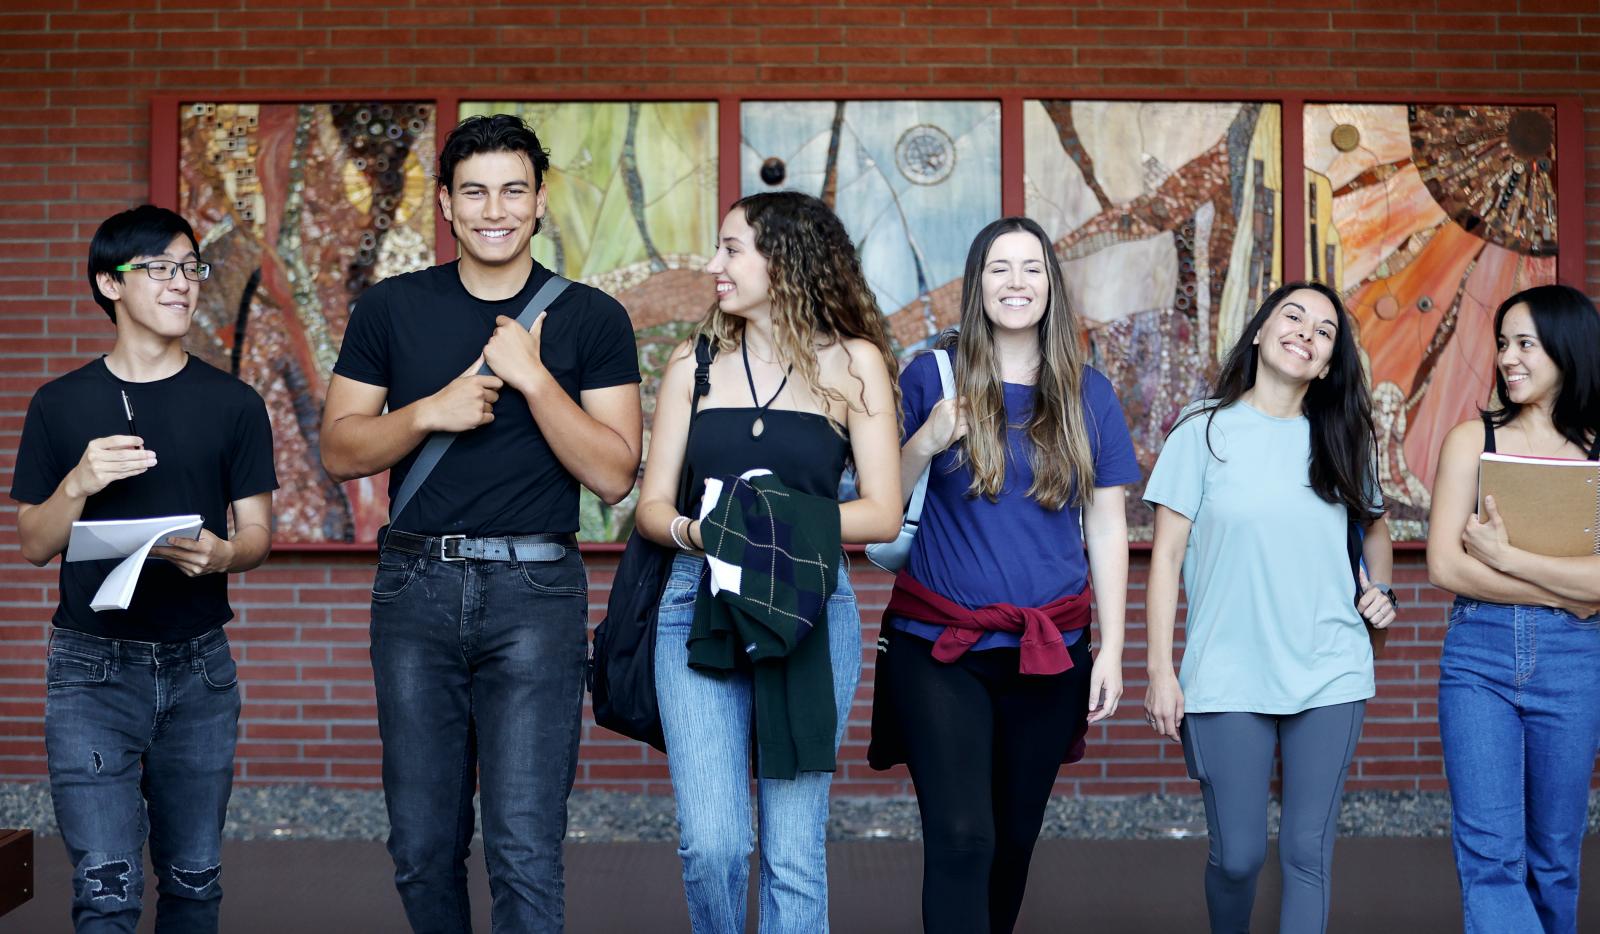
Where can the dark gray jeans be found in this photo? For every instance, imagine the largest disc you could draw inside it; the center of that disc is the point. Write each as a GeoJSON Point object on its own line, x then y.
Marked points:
{"type": "Point", "coordinates": [479, 672]}
{"type": "Point", "coordinates": [1230, 754]}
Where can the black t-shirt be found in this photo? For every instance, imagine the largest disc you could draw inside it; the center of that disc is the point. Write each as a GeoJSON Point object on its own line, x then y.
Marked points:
{"type": "Point", "coordinates": [413, 334]}
{"type": "Point", "coordinates": [213, 445]}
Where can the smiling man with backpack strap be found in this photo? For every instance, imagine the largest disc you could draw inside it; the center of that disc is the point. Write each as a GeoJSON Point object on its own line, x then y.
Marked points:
{"type": "Point", "coordinates": [479, 605]}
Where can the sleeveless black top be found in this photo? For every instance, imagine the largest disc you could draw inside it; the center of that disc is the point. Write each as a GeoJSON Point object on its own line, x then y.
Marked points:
{"type": "Point", "coordinates": [800, 447]}
{"type": "Point", "coordinates": [1488, 440]}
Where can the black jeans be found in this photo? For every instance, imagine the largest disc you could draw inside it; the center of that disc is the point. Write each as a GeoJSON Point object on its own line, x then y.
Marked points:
{"type": "Point", "coordinates": [984, 744]}
{"type": "Point", "coordinates": [479, 672]}
{"type": "Point", "coordinates": [139, 737]}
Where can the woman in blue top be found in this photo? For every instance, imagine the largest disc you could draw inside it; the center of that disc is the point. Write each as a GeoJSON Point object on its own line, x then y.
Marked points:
{"type": "Point", "coordinates": [1255, 491]}
{"type": "Point", "coordinates": [1519, 701]}
{"type": "Point", "coordinates": [1033, 438]}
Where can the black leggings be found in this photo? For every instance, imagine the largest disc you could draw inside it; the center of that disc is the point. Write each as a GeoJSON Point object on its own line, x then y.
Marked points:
{"type": "Point", "coordinates": [983, 743]}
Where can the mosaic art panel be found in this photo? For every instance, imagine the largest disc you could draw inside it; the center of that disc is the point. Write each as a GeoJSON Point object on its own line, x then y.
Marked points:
{"type": "Point", "coordinates": [913, 181]}
{"type": "Point", "coordinates": [300, 208]}
{"type": "Point", "coordinates": [632, 211]}
{"type": "Point", "coordinates": [1425, 217]}
{"type": "Point", "coordinates": [1165, 219]}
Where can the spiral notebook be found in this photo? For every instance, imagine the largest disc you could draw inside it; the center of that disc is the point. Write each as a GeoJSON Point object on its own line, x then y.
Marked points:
{"type": "Point", "coordinates": [1551, 506]}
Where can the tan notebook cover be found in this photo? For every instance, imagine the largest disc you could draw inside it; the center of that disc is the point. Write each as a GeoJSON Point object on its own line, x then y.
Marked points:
{"type": "Point", "coordinates": [1550, 506]}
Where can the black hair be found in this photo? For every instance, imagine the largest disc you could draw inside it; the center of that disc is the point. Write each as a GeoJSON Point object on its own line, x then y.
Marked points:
{"type": "Point", "coordinates": [142, 231]}
{"type": "Point", "coordinates": [492, 133]}
{"type": "Point", "coordinates": [1568, 327]}
{"type": "Point", "coordinates": [1339, 406]}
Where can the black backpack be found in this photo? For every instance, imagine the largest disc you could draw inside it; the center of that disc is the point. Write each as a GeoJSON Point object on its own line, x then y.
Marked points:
{"type": "Point", "coordinates": [622, 675]}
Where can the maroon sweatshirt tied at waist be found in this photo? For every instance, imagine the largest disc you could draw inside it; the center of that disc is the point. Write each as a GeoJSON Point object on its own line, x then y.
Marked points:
{"type": "Point", "coordinates": [1042, 651]}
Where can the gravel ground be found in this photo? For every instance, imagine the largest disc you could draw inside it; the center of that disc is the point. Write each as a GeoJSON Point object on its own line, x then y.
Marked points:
{"type": "Point", "coordinates": [309, 812]}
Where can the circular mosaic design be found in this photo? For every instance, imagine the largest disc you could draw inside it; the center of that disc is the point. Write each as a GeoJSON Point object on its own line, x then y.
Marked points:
{"type": "Point", "coordinates": [925, 154]}
{"type": "Point", "coordinates": [1492, 170]}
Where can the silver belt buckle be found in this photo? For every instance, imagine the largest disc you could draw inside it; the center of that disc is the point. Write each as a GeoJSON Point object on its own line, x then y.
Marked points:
{"type": "Point", "coordinates": [444, 543]}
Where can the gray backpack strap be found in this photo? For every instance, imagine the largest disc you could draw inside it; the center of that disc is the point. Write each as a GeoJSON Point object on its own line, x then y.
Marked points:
{"type": "Point", "coordinates": [947, 382]}
{"type": "Point", "coordinates": [439, 442]}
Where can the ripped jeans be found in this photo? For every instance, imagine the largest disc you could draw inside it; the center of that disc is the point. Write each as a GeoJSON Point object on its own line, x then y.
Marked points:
{"type": "Point", "coordinates": [139, 737]}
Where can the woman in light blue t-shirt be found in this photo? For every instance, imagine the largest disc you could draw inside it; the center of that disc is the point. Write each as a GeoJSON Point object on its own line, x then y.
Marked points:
{"type": "Point", "coordinates": [1255, 493]}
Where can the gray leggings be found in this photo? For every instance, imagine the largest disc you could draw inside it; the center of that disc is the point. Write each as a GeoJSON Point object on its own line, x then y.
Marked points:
{"type": "Point", "coordinates": [1230, 754]}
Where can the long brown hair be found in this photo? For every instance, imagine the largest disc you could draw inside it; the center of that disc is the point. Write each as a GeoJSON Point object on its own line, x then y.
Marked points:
{"type": "Point", "coordinates": [1062, 460]}
{"type": "Point", "coordinates": [819, 294]}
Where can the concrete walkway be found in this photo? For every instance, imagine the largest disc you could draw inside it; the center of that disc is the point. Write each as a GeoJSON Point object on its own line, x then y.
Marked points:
{"type": "Point", "coordinates": [1403, 885]}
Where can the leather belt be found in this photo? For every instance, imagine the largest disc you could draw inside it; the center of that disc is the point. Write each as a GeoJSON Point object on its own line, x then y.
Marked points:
{"type": "Point", "coordinates": [546, 546]}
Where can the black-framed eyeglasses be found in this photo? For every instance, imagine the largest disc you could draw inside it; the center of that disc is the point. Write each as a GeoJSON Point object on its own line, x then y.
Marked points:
{"type": "Point", "coordinates": [163, 269]}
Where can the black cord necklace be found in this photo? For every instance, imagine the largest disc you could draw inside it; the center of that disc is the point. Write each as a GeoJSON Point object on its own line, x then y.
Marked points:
{"type": "Point", "coordinates": [759, 425]}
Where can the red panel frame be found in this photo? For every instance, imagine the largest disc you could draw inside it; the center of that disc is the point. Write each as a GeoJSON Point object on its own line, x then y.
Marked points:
{"type": "Point", "coordinates": [1570, 178]}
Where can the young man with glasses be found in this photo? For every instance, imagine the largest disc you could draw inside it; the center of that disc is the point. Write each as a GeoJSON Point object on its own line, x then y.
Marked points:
{"type": "Point", "coordinates": [479, 604]}
{"type": "Point", "coordinates": [142, 704]}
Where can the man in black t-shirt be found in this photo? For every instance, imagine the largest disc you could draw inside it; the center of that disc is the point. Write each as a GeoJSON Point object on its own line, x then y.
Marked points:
{"type": "Point", "coordinates": [479, 603]}
{"type": "Point", "coordinates": [142, 703]}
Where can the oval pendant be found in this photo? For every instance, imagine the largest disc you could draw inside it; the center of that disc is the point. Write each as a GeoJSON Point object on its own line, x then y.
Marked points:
{"type": "Point", "coordinates": [757, 428]}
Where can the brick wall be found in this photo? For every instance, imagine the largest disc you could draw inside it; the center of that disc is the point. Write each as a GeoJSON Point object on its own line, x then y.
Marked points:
{"type": "Point", "coordinates": [74, 141]}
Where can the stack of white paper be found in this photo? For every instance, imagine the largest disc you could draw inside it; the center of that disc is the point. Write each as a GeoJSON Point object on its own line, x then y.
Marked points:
{"type": "Point", "coordinates": [129, 539]}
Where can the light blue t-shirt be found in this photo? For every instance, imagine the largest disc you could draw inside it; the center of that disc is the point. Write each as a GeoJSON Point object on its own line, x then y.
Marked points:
{"type": "Point", "coordinates": [1272, 625]}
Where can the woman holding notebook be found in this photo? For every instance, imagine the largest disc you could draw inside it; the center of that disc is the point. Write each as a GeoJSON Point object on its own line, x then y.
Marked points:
{"type": "Point", "coordinates": [1519, 679]}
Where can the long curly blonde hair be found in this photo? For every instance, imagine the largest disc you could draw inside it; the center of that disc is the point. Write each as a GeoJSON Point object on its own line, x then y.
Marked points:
{"type": "Point", "coordinates": [819, 294]}
{"type": "Point", "coordinates": [1061, 457]}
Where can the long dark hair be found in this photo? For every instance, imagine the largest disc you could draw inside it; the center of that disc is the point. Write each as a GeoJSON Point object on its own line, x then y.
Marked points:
{"type": "Point", "coordinates": [1338, 406]}
{"type": "Point", "coordinates": [1568, 327]}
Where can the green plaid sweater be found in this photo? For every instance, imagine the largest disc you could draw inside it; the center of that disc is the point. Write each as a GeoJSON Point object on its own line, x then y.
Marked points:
{"type": "Point", "coordinates": [785, 546]}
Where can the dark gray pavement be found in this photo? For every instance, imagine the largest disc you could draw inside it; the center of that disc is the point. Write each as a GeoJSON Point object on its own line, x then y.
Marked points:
{"type": "Point", "coordinates": [1402, 885]}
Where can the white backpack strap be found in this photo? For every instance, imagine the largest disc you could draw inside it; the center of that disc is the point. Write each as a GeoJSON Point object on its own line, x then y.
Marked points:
{"type": "Point", "coordinates": [947, 383]}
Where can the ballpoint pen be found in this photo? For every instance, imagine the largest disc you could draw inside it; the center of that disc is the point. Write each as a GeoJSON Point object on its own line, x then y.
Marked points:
{"type": "Point", "coordinates": [127, 408]}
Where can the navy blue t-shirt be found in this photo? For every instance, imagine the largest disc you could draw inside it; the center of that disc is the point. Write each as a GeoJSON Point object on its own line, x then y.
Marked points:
{"type": "Point", "coordinates": [976, 552]}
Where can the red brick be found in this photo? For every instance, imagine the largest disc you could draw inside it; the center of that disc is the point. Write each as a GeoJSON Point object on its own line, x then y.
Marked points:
{"type": "Point", "coordinates": [1374, 21]}
{"type": "Point", "coordinates": [944, 16]}
{"type": "Point", "coordinates": [780, 74]}
{"type": "Point", "coordinates": [302, 731]}
{"type": "Point", "coordinates": [771, 54]}
{"type": "Point", "coordinates": [847, 54]}
{"type": "Point", "coordinates": [1121, 18]}
{"type": "Point", "coordinates": [1514, 61]}
{"type": "Point", "coordinates": [860, 16]}
{"type": "Point", "coordinates": [792, 35]}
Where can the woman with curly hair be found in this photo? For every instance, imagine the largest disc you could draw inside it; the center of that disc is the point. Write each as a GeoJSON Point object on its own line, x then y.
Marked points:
{"type": "Point", "coordinates": [1519, 704]}
{"type": "Point", "coordinates": [1256, 492]}
{"type": "Point", "coordinates": [800, 385]}
{"type": "Point", "coordinates": [984, 680]}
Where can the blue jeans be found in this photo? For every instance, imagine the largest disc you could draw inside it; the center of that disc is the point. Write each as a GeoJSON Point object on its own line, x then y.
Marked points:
{"type": "Point", "coordinates": [139, 737]}
{"type": "Point", "coordinates": [479, 673]}
{"type": "Point", "coordinates": [1519, 714]}
{"type": "Point", "coordinates": [707, 726]}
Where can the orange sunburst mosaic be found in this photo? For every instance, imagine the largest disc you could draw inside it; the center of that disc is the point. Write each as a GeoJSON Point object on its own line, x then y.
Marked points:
{"type": "Point", "coordinates": [1425, 218]}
